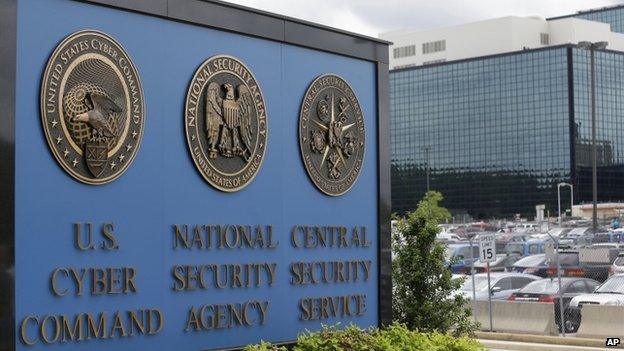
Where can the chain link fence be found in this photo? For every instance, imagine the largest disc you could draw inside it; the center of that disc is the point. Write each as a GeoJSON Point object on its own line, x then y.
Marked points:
{"type": "Point", "coordinates": [565, 281]}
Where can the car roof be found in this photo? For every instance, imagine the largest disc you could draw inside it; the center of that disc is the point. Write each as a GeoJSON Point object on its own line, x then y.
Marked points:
{"type": "Point", "coordinates": [507, 274]}
{"type": "Point", "coordinates": [460, 245]}
{"type": "Point", "coordinates": [564, 280]}
{"type": "Point", "coordinates": [535, 255]}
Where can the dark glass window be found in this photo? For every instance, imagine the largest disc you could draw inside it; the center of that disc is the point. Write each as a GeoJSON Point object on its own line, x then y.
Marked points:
{"type": "Point", "coordinates": [504, 284]}
{"type": "Point", "coordinates": [492, 133]}
{"type": "Point", "coordinates": [615, 17]}
{"type": "Point", "coordinates": [497, 134]}
{"type": "Point", "coordinates": [609, 67]}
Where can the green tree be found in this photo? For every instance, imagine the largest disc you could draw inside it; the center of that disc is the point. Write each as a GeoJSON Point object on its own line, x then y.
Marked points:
{"type": "Point", "coordinates": [423, 296]}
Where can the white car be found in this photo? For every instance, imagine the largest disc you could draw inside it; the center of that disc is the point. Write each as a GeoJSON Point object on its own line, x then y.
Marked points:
{"type": "Point", "coordinates": [446, 236]}
{"type": "Point", "coordinates": [559, 232]}
{"type": "Point", "coordinates": [610, 293]}
{"type": "Point", "coordinates": [578, 232]}
{"type": "Point", "coordinates": [618, 265]}
{"type": "Point", "coordinates": [502, 285]}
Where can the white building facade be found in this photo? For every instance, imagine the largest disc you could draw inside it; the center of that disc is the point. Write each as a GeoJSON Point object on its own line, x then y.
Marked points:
{"type": "Point", "coordinates": [495, 36]}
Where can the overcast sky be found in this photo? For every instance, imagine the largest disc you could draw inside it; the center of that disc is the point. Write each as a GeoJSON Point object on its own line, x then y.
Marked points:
{"type": "Point", "coordinates": [372, 17]}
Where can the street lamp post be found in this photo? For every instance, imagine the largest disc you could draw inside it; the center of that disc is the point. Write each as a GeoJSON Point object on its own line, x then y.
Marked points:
{"type": "Point", "coordinates": [472, 276]}
{"type": "Point", "coordinates": [555, 241]}
{"type": "Point", "coordinates": [592, 47]}
{"type": "Point", "coordinates": [556, 244]}
{"type": "Point", "coordinates": [427, 157]}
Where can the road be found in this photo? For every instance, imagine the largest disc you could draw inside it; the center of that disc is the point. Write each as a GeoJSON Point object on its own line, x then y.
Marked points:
{"type": "Point", "coordinates": [495, 345]}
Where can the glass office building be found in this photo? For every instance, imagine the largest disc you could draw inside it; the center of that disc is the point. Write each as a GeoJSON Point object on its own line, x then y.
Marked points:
{"type": "Point", "coordinates": [497, 134]}
{"type": "Point", "coordinates": [612, 15]}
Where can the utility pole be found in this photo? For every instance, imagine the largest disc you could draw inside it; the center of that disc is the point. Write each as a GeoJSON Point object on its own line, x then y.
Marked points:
{"type": "Point", "coordinates": [592, 47]}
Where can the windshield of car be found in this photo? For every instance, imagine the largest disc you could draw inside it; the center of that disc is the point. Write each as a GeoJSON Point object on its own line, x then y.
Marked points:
{"type": "Point", "coordinates": [619, 261]}
{"type": "Point", "coordinates": [531, 261]}
{"type": "Point", "coordinates": [544, 286]}
{"type": "Point", "coordinates": [577, 231]}
{"type": "Point", "coordinates": [481, 284]}
{"type": "Point", "coordinates": [555, 231]}
{"type": "Point", "coordinates": [515, 247]}
{"type": "Point", "coordinates": [615, 285]}
{"type": "Point", "coordinates": [558, 231]}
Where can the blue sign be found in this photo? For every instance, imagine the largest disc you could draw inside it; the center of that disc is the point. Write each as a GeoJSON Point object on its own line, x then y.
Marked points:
{"type": "Point", "coordinates": [158, 258]}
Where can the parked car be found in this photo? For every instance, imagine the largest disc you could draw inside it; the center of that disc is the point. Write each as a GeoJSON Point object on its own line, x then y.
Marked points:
{"type": "Point", "coordinates": [610, 293]}
{"type": "Point", "coordinates": [540, 266]}
{"type": "Point", "coordinates": [594, 262]}
{"type": "Point", "coordinates": [569, 263]}
{"type": "Point", "coordinates": [608, 237]}
{"type": "Point", "coordinates": [527, 228]}
{"type": "Point", "coordinates": [459, 259]}
{"type": "Point", "coordinates": [618, 265]}
{"type": "Point", "coordinates": [503, 239]}
{"type": "Point", "coordinates": [559, 232]}
{"type": "Point", "coordinates": [576, 241]}
{"type": "Point", "coordinates": [578, 232]}
{"type": "Point", "coordinates": [526, 248]}
{"type": "Point", "coordinates": [573, 266]}
{"type": "Point", "coordinates": [534, 264]}
{"type": "Point", "coordinates": [503, 263]}
{"type": "Point", "coordinates": [446, 236]}
{"type": "Point", "coordinates": [502, 285]}
{"type": "Point", "coordinates": [547, 290]}
{"type": "Point", "coordinates": [608, 245]}
{"type": "Point", "coordinates": [556, 232]}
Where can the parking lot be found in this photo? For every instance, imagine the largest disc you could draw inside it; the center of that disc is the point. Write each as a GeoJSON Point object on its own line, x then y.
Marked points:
{"type": "Point", "coordinates": [566, 279]}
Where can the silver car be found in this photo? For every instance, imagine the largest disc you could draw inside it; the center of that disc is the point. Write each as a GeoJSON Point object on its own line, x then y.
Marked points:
{"type": "Point", "coordinates": [618, 265]}
{"type": "Point", "coordinates": [502, 285]}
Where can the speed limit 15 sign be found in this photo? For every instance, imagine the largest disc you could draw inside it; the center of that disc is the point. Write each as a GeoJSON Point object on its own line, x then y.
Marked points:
{"type": "Point", "coordinates": [487, 248]}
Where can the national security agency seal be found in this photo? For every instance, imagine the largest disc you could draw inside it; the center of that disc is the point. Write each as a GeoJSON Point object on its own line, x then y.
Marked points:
{"type": "Point", "coordinates": [92, 107]}
{"type": "Point", "coordinates": [226, 123]}
{"type": "Point", "coordinates": [331, 134]}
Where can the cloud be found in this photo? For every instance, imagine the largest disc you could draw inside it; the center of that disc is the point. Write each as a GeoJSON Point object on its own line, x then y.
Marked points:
{"type": "Point", "coordinates": [370, 17]}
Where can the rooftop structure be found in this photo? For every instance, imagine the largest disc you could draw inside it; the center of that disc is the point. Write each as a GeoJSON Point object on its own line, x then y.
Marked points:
{"type": "Point", "coordinates": [495, 36]}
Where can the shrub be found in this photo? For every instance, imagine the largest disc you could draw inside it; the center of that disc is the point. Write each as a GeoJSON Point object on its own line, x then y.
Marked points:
{"type": "Point", "coordinates": [264, 346]}
{"type": "Point", "coordinates": [397, 337]}
{"type": "Point", "coordinates": [400, 338]}
{"type": "Point", "coordinates": [334, 339]}
{"type": "Point", "coordinates": [423, 289]}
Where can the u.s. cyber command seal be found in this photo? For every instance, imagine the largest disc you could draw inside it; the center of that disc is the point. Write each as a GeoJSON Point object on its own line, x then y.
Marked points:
{"type": "Point", "coordinates": [92, 107]}
{"type": "Point", "coordinates": [331, 134]}
{"type": "Point", "coordinates": [226, 123]}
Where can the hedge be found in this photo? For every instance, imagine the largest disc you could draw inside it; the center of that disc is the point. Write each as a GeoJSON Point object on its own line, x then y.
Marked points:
{"type": "Point", "coordinates": [394, 338]}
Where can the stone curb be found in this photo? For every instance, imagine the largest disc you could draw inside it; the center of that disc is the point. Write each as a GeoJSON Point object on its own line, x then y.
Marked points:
{"type": "Point", "coordinates": [520, 346]}
{"type": "Point", "coordinates": [544, 339]}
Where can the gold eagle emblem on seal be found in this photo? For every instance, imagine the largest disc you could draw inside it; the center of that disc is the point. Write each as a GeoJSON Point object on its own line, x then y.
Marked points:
{"type": "Point", "coordinates": [226, 123]}
{"type": "Point", "coordinates": [92, 107]}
